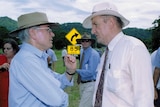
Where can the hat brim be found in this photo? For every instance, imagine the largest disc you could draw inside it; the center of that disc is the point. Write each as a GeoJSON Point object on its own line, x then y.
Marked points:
{"type": "Point", "coordinates": [14, 33]}
{"type": "Point", "coordinates": [80, 40]}
{"type": "Point", "coordinates": [87, 23]}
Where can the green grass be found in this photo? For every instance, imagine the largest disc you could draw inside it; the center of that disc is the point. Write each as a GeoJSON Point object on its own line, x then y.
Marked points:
{"type": "Point", "coordinates": [73, 91]}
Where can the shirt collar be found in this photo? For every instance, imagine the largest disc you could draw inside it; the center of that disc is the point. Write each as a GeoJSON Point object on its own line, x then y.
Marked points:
{"type": "Point", "coordinates": [114, 41]}
{"type": "Point", "coordinates": [34, 50]}
{"type": "Point", "coordinates": [86, 50]}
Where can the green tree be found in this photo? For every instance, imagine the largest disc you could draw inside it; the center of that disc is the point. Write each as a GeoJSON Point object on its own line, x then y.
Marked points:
{"type": "Point", "coordinates": [3, 34]}
{"type": "Point", "coordinates": [156, 34]}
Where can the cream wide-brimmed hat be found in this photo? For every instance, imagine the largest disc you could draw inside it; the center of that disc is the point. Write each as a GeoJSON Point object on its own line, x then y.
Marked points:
{"type": "Point", "coordinates": [31, 19]}
{"type": "Point", "coordinates": [104, 9]}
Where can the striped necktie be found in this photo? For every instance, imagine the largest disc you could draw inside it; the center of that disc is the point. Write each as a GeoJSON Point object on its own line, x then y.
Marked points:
{"type": "Point", "coordinates": [99, 93]}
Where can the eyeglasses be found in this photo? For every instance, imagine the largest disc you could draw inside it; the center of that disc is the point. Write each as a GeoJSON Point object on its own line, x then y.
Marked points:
{"type": "Point", "coordinates": [48, 29]}
{"type": "Point", "coordinates": [85, 40]}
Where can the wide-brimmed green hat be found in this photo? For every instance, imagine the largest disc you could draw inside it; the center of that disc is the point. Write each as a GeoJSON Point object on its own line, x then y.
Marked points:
{"type": "Point", "coordinates": [84, 37]}
{"type": "Point", "coordinates": [31, 19]}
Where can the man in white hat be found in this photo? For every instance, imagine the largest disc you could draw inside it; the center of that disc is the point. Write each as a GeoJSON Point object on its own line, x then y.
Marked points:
{"type": "Point", "coordinates": [32, 83]}
{"type": "Point", "coordinates": [127, 71]}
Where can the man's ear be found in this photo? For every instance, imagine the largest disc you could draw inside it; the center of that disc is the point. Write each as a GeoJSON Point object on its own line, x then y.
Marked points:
{"type": "Point", "coordinates": [32, 33]}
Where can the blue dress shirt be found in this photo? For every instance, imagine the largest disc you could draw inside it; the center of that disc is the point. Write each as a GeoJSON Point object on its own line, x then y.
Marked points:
{"type": "Point", "coordinates": [32, 83]}
{"type": "Point", "coordinates": [157, 59]}
{"type": "Point", "coordinates": [89, 65]}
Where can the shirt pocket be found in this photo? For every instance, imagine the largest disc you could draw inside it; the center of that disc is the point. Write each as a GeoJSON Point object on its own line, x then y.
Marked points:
{"type": "Point", "coordinates": [115, 80]}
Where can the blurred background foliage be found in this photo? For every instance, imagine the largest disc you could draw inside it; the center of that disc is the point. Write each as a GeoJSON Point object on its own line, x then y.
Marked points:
{"type": "Point", "coordinates": [150, 36]}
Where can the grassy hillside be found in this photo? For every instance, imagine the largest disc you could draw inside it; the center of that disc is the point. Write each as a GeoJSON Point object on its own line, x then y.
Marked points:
{"type": "Point", "coordinates": [9, 23]}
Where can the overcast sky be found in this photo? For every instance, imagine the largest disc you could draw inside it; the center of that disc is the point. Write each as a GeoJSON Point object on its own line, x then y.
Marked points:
{"type": "Point", "coordinates": [141, 13]}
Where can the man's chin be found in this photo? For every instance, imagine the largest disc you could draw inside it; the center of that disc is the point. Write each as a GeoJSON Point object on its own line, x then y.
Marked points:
{"type": "Point", "coordinates": [51, 46]}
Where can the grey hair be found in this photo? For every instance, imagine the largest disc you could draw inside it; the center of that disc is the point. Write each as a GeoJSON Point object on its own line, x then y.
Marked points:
{"type": "Point", "coordinates": [24, 35]}
{"type": "Point", "coordinates": [117, 19]}
{"type": "Point", "coordinates": [121, 24]}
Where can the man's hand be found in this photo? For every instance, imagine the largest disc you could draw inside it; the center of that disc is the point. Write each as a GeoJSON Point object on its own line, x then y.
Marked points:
{"type": "Point", "coordinates": [155, 94]}
{"type": "Point", "coordinates": [5, 66]}
{"type": "Point", "coordinates": [70, 63]}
